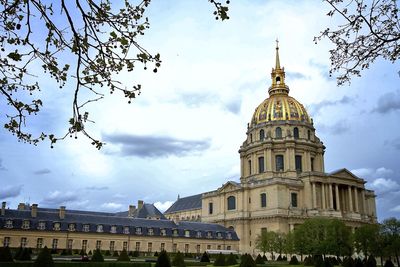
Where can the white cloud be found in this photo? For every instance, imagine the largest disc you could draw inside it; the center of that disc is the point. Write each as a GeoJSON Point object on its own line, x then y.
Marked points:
{"type": "Point", "coordinates": [163, 206]}
{"type": "Point", "coordinates": [10, 191]}
{"type": "Point", "coordinates": [111, 206]}
{"type": "Point", "coordinates": [60, 198]}
{"type": "Point", "coordinates": [382, 185]}
{"type": "Point", "coordinates": [396, 209]}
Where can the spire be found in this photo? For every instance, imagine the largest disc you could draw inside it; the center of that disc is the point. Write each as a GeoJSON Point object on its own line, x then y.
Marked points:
{"type": "Point", "coordinates": [277, 62]}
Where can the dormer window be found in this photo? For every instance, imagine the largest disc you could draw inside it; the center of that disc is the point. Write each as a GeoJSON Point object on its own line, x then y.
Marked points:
{"type": "Point", "coordinates": [198, 234]}
{"type": "Point", "coordinates": [228, 235]}
{"type": "Point", "coordinates": [150, 231]}
{"type": "Point", "coordinates": [126, 230]}
{"type": "Point", "coordinates": [9, 224]}
{"type": "Point", "coordinates": [187, 233]}
{"type": "Point", "coordinates": [25, 224]}
{"type": "Point", "coordinates": [99, 228]}
{"type": "Point", "coordinates": [219, 235]}
{"type": "Point", "coordinates": [57, 226]}
{"type": "Point", "coordinates": [163, 232]}
{"type": "Point", "coordinates": [175, 232]}
{"type": "Point", "coordinates": [86, 228]}
{"type": "Point", "coordinates": [41, 226]}
{"type": "Point", "coordinates": [138, 230]}
{"type": "Point", "coordinates": [209, 235]}
{"type": "Point", "coordinates": [71, 227]}
{"type": "Point", "coordinates": [113, 229]}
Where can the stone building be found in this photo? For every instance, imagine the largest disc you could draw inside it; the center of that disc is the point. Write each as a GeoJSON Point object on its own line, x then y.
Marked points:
{"type": "Point", "coordinates": [282, 179]}
{"type": "Point", "coordinates": [143, 229]}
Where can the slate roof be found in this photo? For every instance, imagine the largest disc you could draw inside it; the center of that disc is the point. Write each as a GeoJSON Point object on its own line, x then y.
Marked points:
{"type": "Point", "coordinates": [148, 210]}
{"type": "Point", "coordinates": [80, 218]}
{"type": "Point", "coordinates": [185, 203]}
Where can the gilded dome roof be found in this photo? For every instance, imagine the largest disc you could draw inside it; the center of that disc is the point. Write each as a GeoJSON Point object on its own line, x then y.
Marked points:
{"type": "Point", "coordinates": [279, 106]}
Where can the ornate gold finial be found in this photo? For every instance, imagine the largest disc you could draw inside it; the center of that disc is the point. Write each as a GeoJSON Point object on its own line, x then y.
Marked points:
{"type": "Point", "coordinates": [277, 62]}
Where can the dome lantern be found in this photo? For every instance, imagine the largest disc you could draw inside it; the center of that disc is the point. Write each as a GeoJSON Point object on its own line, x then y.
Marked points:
{"type": "Point", "coordinates": [278, 86]}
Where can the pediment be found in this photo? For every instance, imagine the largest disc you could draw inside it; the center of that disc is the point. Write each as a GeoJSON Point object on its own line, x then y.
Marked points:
{"type": "Point", "coordinates": [229, 186]}
{"type": "Point", "coordinates": [344, 174]}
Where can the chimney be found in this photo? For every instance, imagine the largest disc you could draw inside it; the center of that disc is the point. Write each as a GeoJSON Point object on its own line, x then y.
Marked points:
{"type": "Point", "coordinates": [3, 208]}
{"type": "Point", "coordinates": [21, 206]}
{"type": "Point", "coordinates": [62, 212]}
{"type": "Point", "coordinates": [140, 204]}
{"type": "Point", "coordinates": [34, 210]}
{"type": "Point", "coordinates": [131, 210]}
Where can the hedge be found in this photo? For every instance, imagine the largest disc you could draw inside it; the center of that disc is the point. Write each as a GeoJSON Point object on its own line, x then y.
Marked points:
{"type": "Point", "coordinates": [81, 264]}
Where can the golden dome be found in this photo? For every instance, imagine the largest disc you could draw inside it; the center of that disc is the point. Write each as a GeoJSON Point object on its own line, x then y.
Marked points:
{"type": "Point", "coordinates": [279, 106]}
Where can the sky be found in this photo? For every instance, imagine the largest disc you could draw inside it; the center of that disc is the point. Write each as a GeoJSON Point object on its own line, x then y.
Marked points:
{"type": "Point", "coordinates": [181, 136]}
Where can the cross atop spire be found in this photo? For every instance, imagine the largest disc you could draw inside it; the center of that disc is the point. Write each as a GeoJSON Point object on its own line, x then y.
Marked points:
{"type": "Point", "coordinates": [277, 62]}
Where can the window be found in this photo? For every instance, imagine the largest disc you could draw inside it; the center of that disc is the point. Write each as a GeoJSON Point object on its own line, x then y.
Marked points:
{"type": "Point", "coordinates": [99, 228]}
{"type": "Point", "coordinates": [112, 246]}
{"type": "Point", "coordinates": [69, 244]}
{"type": "Point", "coordinates": [187, 233]}
{"type": "Point", "coordinates": [186, 248]}
{"type": "Point", "coordinates": [84, 245]}
{"type": "Point", "coordinates": [56, 226]}
{"type": "Point", "coordinates": [263, 197]}
{"type": "Point", "coordinates": [312, 164]}
{"type": "Point", "coordinates": [54, 244]}
{"type": "Point", "coordinates": [41, 226]}
{"type": "Point", "coordinates": [228, 247]}
{"type": "Point", "coordinates": [309, 135]}
{"type": "Point", "coordinates": [113, 229]}
{"type": "Point", "coordinates": [137, 246]}
{"type": "Point", "coordinates": [210, 208]}
{"type": "Point", "coordinates": [198, 249]}
{"type": "Point", "coordinates": [219, 235]}
{"type": "Point", "coordinates": [163, 232]}
{"type": "Point", "coordinates": [251, 138]}
{"type": "Point", "coordinates": [126, 230]}
{"type": "Point", "coordinates": [39, 243]}
{"type": "Point", "coordinates": [208, 246]}
{"type": "Point", "coordinates": [198, 234]}
{"type": "Point", "coordinates": [149, 247]}
{"type": "Point", "coordinates": [138, 230]}
{"type": "Point", "coordinates": [23, 242]}
{"type": "Point", "coordinates": [278, 132]}
{"type": "Point", "coordinates": [209, 235]}
{"type": "Point", "coordinates": [175, 232]}
{"type": "Point", "coordinates": [260, 164]}
{"type": "Point", "coordinates": [263, 230]}
{"type": "Point", "coordinates": [125, 246]}
{"type": "Point", "coordinates": [249, 163]}
{"type": "Point", "coordinates": [293, 199]}
{"type": "Point", "coordinates": [162, 247]}
{"type": "Point", "coordinates": [25, 224]}
{"type": "Point", "coordinates": [150, 231]}
{"type": "Point", "coordinates": [296, 133]}
{"type": "Point", "coordinates": [85, 228]}
{"type": "Point", "coordinates": [228, 235]}
{"type": "Point", "coordinates": [262, 135]}
{"type": "Point", "coordinates": [98, 244]}
{"type": "Point", "coordinates": [6, 242]}
{"type": "Point", "coordinates": [9, 224]}
{"type": "Point", "coordinates": [174, 247]}
{"type": "Point", "coordinates": [298, 163]}
{"type": "Point", "coordinates": [231, 203]}
{"type": "Point", "coordinates": [279, 163]}
{"type": "Point", "coordinates": [71, 227]}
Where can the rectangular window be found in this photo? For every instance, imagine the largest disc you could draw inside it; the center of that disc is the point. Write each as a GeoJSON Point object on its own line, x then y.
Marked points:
{"type": "Point", "coordinates": [112, 246]}
{"type": "Point", "coordinates": [279, 163]}
{"type": "Point", "coordinates": [9, 224]}
{"type": "Point", "coordinates": [298, 163]}
{"type": "Point", "coordinates": [126, 230]}
{"type": "Point", "coordinates": [150, 231]}
{"type": "Point", "coordinates": [163, 232]}
{"type": "Point", "coordinates": [39, 243]}
{"type": "Point", "coordinates": [137, 246]}
{"type": "Point", "coordinates": [125, 246]}
{"type": "Point", "coordinates": [23, 242]}
{"type": "Point", "coordinates": [6, 242]}
{"type": "Point", "coordinates": [174, 248]}
{"type": "Point", "coordinates": [113, 229]}
{"type": "Point", "coordinates": [84, 245]}
{"type": "Point", "coordinates": [25, 224]}
{"type": "Point", "coordinates": [98, 244]}
{"type": "Point", "coordinates": [149, 247]}
{"type": "Point", "coordinates": [208, 246]}
{"type": "Point", "coordinates": [249, 167]}
{"type": "Point", "coordinates": [198, 249]}
{"type": "Point", "coordinates": [263, 230]}
{"type": "Point", "coordinates": [312, 164]}
{"type": "Point", "coordinates": [294, 199]}
{"type": "Point", "coordinates": [228, 247]}
{"type": "Point", "coordinates": [210, 208]}
{"type": "Point", "coordinates": [186, 248]}
{"type": "Point", "coordinates": [219, 247]}
{"type": "Point", "coordinates": [162, 247]}
{"type": "Point", "coordinates": [71, 227]}
{"type": "Point", "coordinates": [69, 244]}
{"type": "Point", "coordinates": [54, 245]}
{"type": "Point", "coordinates": [187, 233]}
{"type": "Point", "coordinates": [260, 164]}
{"type": "Point", "coordinates": [42, 226]}
{"type": "Point", "coordinates": [86, 227]}
{"type": "Point", "coordinates": [263, 200]}
{"type": "Point", "coordinates": [138, 230]}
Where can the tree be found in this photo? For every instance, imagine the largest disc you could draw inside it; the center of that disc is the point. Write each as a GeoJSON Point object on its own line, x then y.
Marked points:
{"type": "Point", "coordinates": [220, 260]}
{"type": "Point", "coordinates": [178, 260]}
{"type": "Point", "coordinates": [259, 259]}
{"type": "Point", "coordinates": [231, 259]}
{"type": "Point", "coordinates": [5, 254]}
{"type": "Point", "coordinates": [339, 242]}
{"type": "Point", "coordinates": [79, 44]}
{"type": "Point", "coordinates": [205, 257]}
{"type": "Point", "coordinates": [123, 256]}
{"type": "Point", "coordinates": [365, 238]}
{"type": "Point", "coordinates": [280, 243]}
{"type": "Point", "coordinates": [44, 259]}
{"type": "Point", "coordinates": [371, 30]}
{"type": "Point", "coordinates": [97, 256]}
{"type": "Point", "coordinates": [163, 260]}
{"type": "Point", "coordinates": [247, 261]}
{"type": "Point", "coordinates": [265, 242]}
{"type": "Point", "coordinates": [391, 230]}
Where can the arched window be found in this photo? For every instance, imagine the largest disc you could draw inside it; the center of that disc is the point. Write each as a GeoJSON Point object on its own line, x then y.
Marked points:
{"type": "Point", "coordinates": [249, 163]}
{"type": "Point", "coordinates": [278, 80]}
{"type": "Point", "coordinates": [263, 200]}
{"type": "Point", "coordinates": [260, 164]}
{"type": "Point", "coordinates": [279, 163]}
{"type": "Point", "coordinates": [278, 132]}
{"type": "Point", "coordinates": [231, 203]}
{"type": "Point", "coordinates": [309, 134]}
{"type": "Point", "coordinates": [296, 133]}
{"type": "Point", "coordinates": [262, 135]}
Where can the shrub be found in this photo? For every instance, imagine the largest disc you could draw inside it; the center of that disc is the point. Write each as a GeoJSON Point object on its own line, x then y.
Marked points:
{"type": "Point", "coordinates": [293, 261]}
{"type": "Point", "coordinates": [259, 259]}
{"type": "Point", "coordinates": [371, 262]}
{"type": "Point", "coordinates": [318, 261]}
{"type": "Point", "coordinates": [205, 257]}
{"type": "Point", "coordinates": [90, 253]}
{"type": "Point", "coordinates": [97, 256]}
{"type": "Point", "coordinates": [308, 261]}
{"type": "Point", "coordinates": [107, 253]}
{"type": "Point", "coordinates": [279, 258]}
{"type": "Point", "coordinates": [156, 254]}
{"type": "Point", "coordinates": [25, 255]}
{"type": "Point", "coordinates": [5, 254]}
{"type": "Point", "coordinates": [115, 253]}
{"type": "Point", "coordinates": [82, 253]}
{"type": "Point", "coordinates": [44, 259]}
{"type": "Point", "coordinates": [284, 258]}
{"type": "Point", "coordinates": [358, 263]}
{"type": "Point", "coordinates": [123, 256]}
{"type": "Point", "coordinates": [178, 260]}
{"type": "Point", "coordinates": [135, 253]}
{"type": "Point", "coordinates": [247, 261]}
{"type": "Point", "coordinates": [220, 260]}
{"type": "Point", "coordinates": [163, 260]}
{"type": "Point", "coordinates": [348, 262]}
{"type": "Point", "coordinates": [327, 263]}
{"type": "Point", "coordinates": [265, 258]}
{"type": "Point", "coordinates": [231, 260]}
{"type": "Point", "coordinates": [18, 254]}
{"type": "Point", "coordinates": [388, 263]}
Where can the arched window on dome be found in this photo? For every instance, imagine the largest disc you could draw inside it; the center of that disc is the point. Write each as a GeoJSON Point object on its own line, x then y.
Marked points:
{"type": "Point", "coordinates": [231, 203]}
{"type": "Point", "coordinates": [278, 132]}
{"type": "Point", "coordinates": [278, 80]}
{"type": "Point", "coordinates": [262, 135]}
{"type": "Point", "coordinates": [296, 133]}
{"type": "Point", "coordinates": [309, 135]}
